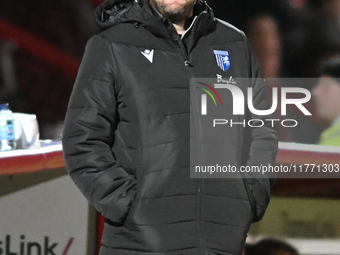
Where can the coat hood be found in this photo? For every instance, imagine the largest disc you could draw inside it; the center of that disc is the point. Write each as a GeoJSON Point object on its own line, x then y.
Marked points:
{"type": "Point", "coordinates": [112, 12]}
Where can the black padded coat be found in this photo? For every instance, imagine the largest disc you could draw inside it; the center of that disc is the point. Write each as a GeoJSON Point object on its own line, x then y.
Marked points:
{"type": "Point", "coordinates": [126, 137]}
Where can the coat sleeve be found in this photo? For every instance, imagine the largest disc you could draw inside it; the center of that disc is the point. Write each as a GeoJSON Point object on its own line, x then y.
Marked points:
{"type": "Point", "coordinates": [88, 135]}
{"type": "Point", "coordinates": [260, 143]}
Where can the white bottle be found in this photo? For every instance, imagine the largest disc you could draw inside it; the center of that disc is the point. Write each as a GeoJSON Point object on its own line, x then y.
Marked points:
{"type": "Point", "coordinates": [7, 137]}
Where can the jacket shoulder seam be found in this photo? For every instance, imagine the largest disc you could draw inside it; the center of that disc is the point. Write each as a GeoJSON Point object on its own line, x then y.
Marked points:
{"type": "Point", "coordinates": [226, 24]}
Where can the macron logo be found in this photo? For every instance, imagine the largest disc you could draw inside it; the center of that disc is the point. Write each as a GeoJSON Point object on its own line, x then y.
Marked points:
{"type": "Point", "coordinates": [148, 54]}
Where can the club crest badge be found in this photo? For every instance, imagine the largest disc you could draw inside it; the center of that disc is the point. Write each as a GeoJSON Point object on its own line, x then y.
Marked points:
{"type": "Point", "coordinates": [222, 58]}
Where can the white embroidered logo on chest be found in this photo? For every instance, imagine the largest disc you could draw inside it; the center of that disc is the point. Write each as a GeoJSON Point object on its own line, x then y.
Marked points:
{"type": "Point", "coordinates": [148, 54]}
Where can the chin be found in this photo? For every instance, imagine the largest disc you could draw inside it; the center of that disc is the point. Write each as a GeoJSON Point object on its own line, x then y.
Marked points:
{"type": "Point", "coordinates": [173, 12]}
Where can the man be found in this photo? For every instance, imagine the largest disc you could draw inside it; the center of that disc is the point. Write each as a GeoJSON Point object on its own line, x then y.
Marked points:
{"type": "Point", "coordinates": [126, 138]}
{"type": "Point", "coordinates": [326, 95]}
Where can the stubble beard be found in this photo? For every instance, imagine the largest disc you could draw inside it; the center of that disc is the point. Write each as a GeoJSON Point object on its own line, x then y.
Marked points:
{"type": "Point", "coordinates": [174, 14]}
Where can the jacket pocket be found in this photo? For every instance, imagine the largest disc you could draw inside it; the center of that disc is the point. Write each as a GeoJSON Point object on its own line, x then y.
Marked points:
{"type": "Point", "coordinates": [251, 198]}
{"type": "Point", "coordinates": [131, 216]}
{"type": "Point", "coordinates": [129, 220]}
{"type": "Point", "coordinates": [258, 197]}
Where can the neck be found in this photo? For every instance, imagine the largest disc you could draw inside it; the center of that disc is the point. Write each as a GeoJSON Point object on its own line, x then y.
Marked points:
{"type": "Point", "coordinates": [182, 24]}
{"type": "Point", "coordinates": [179, 22]}
{"type": "Point", "coordinates": [180, 27]}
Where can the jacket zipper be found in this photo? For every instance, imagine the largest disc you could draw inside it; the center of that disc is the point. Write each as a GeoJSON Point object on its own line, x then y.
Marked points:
{"type": "Point", "coordinates": [200, 184]}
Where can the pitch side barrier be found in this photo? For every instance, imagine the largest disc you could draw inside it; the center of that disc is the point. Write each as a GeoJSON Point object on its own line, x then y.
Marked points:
{"type": "Point", "coordinates": [308, 160]}
{"type": "Point", "coordinates": [23, 163]}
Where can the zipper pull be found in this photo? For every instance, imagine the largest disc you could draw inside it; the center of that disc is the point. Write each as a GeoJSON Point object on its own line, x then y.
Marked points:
{"type": "Point", "coordinates": [187, 63]}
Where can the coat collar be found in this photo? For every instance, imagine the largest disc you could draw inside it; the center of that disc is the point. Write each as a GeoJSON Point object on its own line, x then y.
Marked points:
{"type": "Point", "coordinates": [112, 12]}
